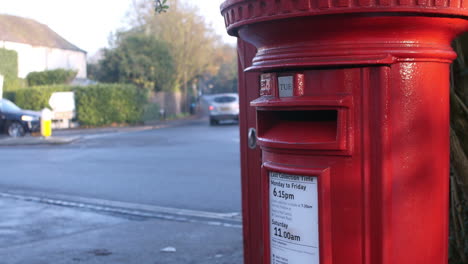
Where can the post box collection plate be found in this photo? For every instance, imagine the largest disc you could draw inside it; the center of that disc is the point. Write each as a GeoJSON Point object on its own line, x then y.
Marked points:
{"type": "Point", "coordinates": [285, 84]}
{"type": "Point", "coordinates": [294, 218]}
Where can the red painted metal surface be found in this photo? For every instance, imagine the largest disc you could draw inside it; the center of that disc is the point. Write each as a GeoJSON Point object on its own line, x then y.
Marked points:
{"type": "Point", "coordinates": [250, 159]}
{"type": "Point", "coordinates": [368, 118]}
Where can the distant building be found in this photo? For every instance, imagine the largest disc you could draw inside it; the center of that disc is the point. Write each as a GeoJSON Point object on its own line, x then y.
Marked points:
{"type": "Point", "coordinates": [39, 48]}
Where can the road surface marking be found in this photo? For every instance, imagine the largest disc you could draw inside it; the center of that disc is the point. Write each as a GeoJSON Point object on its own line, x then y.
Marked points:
{"type": "Point", "coordinates": [232, 220]}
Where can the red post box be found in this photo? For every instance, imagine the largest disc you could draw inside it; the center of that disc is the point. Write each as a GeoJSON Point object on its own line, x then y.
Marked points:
{"type": "Point", "coordinates": [351, 104]}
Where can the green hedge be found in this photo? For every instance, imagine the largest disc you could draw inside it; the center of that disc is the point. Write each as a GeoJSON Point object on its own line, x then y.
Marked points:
{"type": "Point", "coordinates": [9, 64]}
{"type": "Point", "coordinates": [105, 104]}
{"type": "Point", "coordinates": [9, 95]}
{"type": "Point", "coordinates": [58, 76]}
{"type": "Point", "coordinates": [13, 84]}
{"type": "Point", "coordinates": [96, 105]}
{"type": "Point", "coordinates": [36, 98]}
{"type": "Point", "coordinates": [9, 69]}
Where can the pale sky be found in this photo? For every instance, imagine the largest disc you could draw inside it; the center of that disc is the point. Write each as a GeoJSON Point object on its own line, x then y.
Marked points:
{"type": "Point", "coordinates": [88, 23]}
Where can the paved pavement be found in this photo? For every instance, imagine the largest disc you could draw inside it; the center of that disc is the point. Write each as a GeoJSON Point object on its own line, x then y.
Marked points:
{"type": "Point", "coordinates": [67, 136]}
{"type": "Point", "coordinates": [31, 140]}
{"type": "Point", "coordinates": [39, 233]}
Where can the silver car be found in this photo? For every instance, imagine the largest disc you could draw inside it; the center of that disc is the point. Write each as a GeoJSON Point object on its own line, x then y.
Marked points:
{"type": "Point", "coordinates": [224, 107]}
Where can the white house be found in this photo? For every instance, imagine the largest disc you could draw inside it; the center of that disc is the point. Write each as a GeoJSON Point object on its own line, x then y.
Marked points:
{"type": "Point", "coordinates": [39, 48]}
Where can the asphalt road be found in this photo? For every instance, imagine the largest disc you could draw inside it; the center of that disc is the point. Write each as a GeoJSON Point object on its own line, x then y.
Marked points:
{"type": "Point", "coordinates": [193, 166]}
{"type": "Point", "coordinates": [128, 195]}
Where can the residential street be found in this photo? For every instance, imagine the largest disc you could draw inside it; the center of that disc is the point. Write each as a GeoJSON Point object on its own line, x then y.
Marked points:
{"type": "Point", "coordinates": [121, 196]}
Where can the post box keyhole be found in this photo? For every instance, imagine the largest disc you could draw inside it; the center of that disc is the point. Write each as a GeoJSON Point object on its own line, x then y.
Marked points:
{"type": "Point", "coordinates": [252, 141]}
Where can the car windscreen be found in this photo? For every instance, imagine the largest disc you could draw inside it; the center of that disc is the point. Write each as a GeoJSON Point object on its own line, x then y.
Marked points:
{"type": "Point", "coordinates": [225, 99]}
{"type": "Point", "coordinates": [7, 106]}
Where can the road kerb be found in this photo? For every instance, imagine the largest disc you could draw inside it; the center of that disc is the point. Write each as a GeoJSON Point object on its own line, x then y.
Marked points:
{"type": "Point", "coordinates": [131, 209]}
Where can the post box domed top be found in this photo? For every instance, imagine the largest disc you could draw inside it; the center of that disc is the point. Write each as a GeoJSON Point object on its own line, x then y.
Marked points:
{"type": "Point", "coordinates": [241, 12]}
{"type": "Point", "coordinates": [315, 33]}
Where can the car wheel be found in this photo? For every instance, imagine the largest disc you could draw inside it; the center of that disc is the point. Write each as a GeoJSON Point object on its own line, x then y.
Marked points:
{"type": "Point", "coordinates": [15, 129]}
{"type": "Point", "coordinates": [213, 122]}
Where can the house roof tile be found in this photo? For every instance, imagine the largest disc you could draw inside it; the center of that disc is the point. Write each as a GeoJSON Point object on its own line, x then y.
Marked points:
{"type": "Point", "coordinates": [29, 31]}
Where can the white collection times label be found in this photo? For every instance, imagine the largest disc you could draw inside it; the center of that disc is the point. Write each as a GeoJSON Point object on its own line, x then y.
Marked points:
{"type": "Point", "coordinates": [294, 237]}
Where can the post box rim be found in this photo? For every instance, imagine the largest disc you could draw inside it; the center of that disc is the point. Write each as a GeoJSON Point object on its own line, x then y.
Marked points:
{"type": "Point", "coordinates": [238, 13]}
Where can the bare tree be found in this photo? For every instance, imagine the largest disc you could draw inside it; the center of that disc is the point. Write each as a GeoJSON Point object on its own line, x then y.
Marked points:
{"type": "Point", "coordinates": [459, 154]}
{"type": "Point", "coordinates": [191, 41]}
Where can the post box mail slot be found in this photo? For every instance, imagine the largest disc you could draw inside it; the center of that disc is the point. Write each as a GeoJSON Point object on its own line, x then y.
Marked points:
{"type": "Point", "coordinates": [311, 123]}
{"type": "Point", "coordinates": [317, 129]}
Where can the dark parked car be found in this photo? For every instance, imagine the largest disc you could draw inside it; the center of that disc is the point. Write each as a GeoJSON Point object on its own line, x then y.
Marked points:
{"type": "Point", "coordinates": [15, 121]}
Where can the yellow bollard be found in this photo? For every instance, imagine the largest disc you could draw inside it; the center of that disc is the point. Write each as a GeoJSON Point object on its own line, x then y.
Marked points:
{"type": "Point", "coordinates": [46, 123]}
